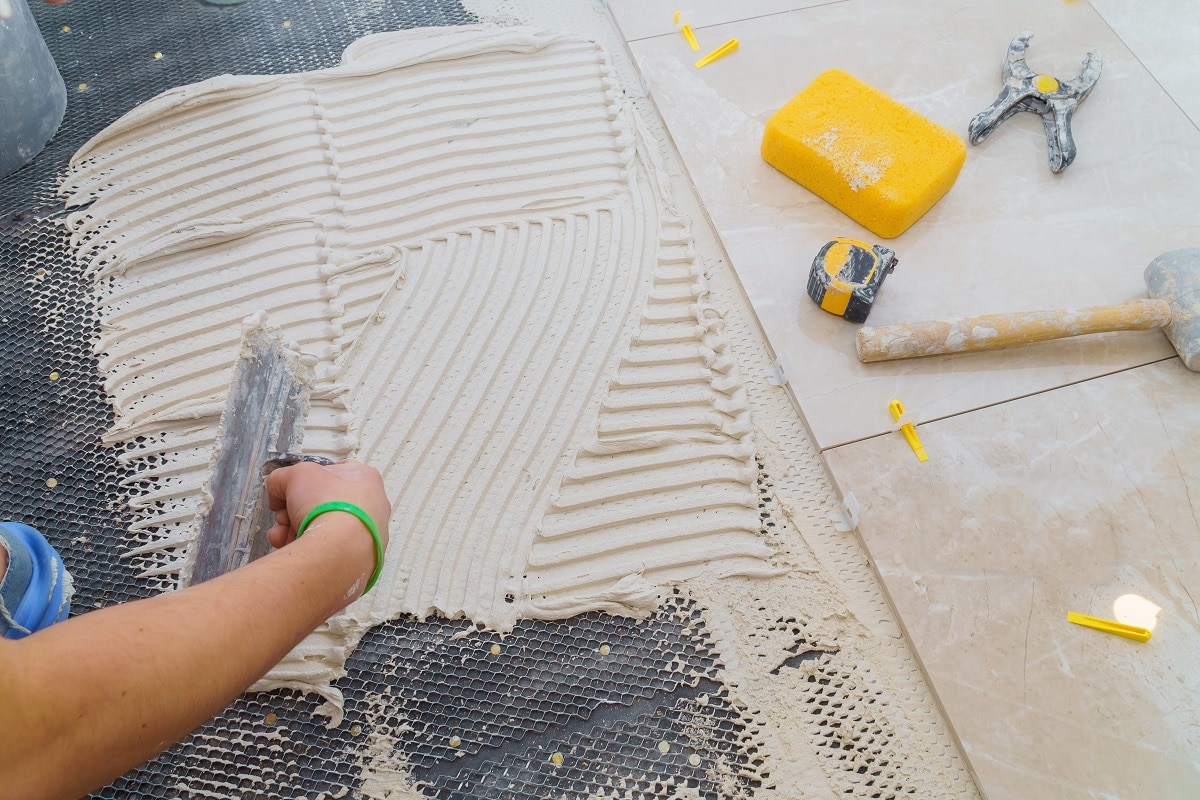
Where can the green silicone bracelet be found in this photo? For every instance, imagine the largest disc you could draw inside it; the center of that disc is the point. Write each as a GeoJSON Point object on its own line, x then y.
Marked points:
{"type": "Point", "coordinates": [364, 517]}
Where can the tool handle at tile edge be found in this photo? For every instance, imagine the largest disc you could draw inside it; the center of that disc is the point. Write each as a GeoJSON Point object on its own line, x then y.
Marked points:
{"type": "Point", "coordinates": [993, 331]}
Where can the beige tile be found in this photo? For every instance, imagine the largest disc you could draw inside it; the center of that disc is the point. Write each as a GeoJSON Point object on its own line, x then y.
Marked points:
{"type": "Point", "coordinates": [1009, 236]}
{"type": "Point", "coordinates": [1165, 36]}
{"type": "Point", "coordinates": [1060, 502]}
{"type": "Point", "coordinates": [641, 19]}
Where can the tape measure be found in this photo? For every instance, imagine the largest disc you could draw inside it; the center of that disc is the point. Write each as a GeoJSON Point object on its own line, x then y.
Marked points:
{"type": "Point", "coordinates": [846, 276]}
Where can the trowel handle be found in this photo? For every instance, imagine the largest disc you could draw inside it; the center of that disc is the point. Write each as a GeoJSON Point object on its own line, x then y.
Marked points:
{"type": "Point", "coordinates": [991, 332]}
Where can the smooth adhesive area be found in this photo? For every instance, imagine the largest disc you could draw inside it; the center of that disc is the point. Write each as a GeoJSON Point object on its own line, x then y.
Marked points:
{"type": "Point", "coordinates": [460, 231]}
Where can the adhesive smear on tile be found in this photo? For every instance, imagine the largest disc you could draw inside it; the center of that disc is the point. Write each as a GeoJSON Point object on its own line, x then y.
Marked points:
{"type": "Point", "coordinates": [461, 231]}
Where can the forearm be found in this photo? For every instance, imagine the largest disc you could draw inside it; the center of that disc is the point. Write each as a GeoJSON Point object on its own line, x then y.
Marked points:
{"type": "Point", "coordinates": [88, 699]}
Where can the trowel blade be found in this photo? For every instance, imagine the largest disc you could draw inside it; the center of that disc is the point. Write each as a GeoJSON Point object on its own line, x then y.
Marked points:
{"type": "Point", "coordinates": [264, 413]}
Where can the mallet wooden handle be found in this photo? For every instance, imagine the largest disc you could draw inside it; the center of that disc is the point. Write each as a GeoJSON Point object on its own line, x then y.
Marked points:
{"type": "Point", "coordinates": [993, 331]}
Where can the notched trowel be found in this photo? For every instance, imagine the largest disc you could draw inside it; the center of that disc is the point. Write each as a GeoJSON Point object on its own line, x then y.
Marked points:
{"type": "Point", "coordinates": [261, 427]}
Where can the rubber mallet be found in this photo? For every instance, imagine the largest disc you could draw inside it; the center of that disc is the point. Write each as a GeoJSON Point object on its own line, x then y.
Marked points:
{"type": "Point", "coordinates": [1173, 280]}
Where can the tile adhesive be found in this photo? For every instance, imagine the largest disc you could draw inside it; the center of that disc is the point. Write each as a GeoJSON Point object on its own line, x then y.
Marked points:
{"type": "Point", "coordinates": [502, 312]}
{"type": "Point", "coordinates": [479, 240]}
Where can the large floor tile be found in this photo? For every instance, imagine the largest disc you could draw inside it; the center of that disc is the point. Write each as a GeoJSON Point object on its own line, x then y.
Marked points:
{"type": "Point", "coordinates": [1165, 35]}
{"type": "Point", "coordinates": [1061, 502]}
{"type": "Point", "coordinates": [1010, 235]}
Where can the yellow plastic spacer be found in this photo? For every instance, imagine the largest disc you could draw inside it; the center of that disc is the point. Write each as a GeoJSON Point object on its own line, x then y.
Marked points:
{"type": "Point", "coordinates": [1110, 626]}
{"type": "Point", "coordinates": [910, 433]}
{"type": "Point", "coordinates": [720, 52]}
{"type": "Point", "coordinates": [677, 15]}
{"type": "Point", "coordinates": [686, 30]}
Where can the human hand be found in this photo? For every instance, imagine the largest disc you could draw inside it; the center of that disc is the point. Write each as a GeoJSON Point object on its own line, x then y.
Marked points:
{"type": "Point", "coordinates": [294, 491]}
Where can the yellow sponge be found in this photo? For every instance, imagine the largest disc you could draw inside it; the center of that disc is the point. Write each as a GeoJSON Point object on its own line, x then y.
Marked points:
{"type": "Point", "coordinates": [879, 162]}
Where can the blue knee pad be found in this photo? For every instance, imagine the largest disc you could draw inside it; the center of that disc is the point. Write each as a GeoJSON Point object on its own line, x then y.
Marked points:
{"type": "Point", "coordinates": [36, 590]}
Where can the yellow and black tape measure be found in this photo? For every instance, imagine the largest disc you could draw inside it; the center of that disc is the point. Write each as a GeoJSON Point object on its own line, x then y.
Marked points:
{"type": "Point", "coordinates": [847, 274]}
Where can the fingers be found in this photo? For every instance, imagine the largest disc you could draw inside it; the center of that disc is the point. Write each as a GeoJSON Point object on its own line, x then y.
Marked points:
{"type": "Point", "coordinates": [277, 483]}
{"type": "Point", "coordinates": [279, 534]}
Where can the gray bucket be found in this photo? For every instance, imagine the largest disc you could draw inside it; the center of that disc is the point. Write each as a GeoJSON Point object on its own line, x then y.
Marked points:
{"type": "Point", "coordinates": [33, 97]}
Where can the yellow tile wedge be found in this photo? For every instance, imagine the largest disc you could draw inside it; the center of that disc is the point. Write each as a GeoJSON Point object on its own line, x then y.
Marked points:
{"type": "Point", "coordinates": [910, 433]}
{"type": "Point", "coordinates": [720, 52]}
{"type": "Point", "coordinates": [1110, 626]}
{"type": "Point", "coordinates": [686, 30]}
